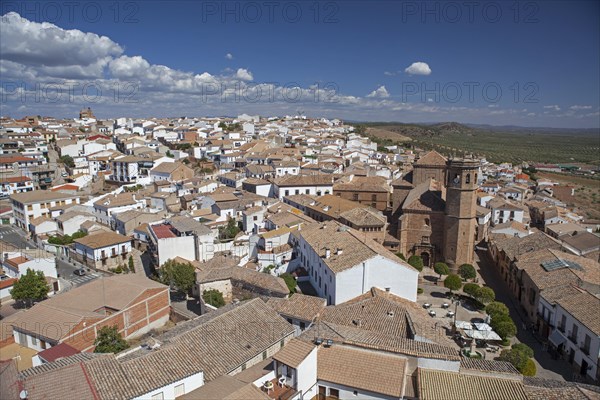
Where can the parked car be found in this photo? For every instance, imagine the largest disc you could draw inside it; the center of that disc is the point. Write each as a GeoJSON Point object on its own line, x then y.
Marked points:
{"type": "Point", "coordinates": [79, 272]}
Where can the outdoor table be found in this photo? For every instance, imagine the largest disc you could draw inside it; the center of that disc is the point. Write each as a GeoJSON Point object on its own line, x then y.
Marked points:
{"type": "Point", "coordinates": [426, 305]}
{"type": "Point", "coordinates": [432, 313]}
{"type": "Point", "coordinates": [268, 385]}
{"type": "Point", "coordinates": [445, 305]}
{"type": "Point", "coordinates": [450, 314]}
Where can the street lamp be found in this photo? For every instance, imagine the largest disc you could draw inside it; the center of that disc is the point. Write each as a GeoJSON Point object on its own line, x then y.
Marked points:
{"type": "Point", "coordinates": [456, 304]}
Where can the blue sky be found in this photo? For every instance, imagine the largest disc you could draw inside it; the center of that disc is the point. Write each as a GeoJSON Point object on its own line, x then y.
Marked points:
{"type": "Point", "coordinates": [525, 63]}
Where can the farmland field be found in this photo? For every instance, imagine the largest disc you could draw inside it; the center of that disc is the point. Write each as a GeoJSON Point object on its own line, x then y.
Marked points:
{"type": "Point", "coordinates": [512, 145]}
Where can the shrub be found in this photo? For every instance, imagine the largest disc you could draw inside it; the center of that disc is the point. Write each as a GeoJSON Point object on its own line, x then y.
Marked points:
{"type": "Point", "coordinates": [213, 297]}
{"type": "Point", "coordinates": [524, 348]}
{"type": "Point", "coordinates": [109, 340]}
{"type": "Point", "coordinates": [529, 369]}
{"type": "Point", "coordinates": [441, 268]}
{"type": "Point", "coordinates": [453, 282]}
{"type": "Point", "coordinates": [419, 290]}
{"type": "Point", "coordinates": [467, 271]}
{"type": "Point", "coordinates": [401, 256]}
{"type": "Point", "coordinates": [471, 289]}
{"type": "Point", "coordinates": [416, 262]}
{"type": "Point", "coordinates": [118, 270]}
{"type": "Point", "coordinates": [131, 266]}
{"type": "Point", "coordinates": [290, 281]}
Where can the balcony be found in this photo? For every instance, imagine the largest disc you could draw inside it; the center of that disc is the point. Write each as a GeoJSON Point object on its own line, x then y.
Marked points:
{"type": "Point", "coordinates": [585, 350]}
{"type": "Point", "coordinates": [278, 392]}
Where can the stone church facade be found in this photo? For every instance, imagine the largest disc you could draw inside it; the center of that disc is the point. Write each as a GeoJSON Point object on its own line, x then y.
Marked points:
{"type": "Point", "coordinates": [435, 206]}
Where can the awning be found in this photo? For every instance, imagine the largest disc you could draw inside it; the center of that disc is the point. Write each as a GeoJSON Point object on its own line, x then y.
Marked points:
{"type": "Point", "coordinates": [464, 325]}
{"type": "Point", "coordinates": [556, 338]}
{"type": "Point", "coordinates": [482, 335]}
{"type": "Point", "coordinates": [482, 326]}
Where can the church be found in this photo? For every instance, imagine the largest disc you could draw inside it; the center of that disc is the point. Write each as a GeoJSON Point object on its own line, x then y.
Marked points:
{"type": "Point", "coordinates": [434, 206]}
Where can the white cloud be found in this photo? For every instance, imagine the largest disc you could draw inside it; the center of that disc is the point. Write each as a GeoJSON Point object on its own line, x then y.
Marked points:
{"type": "Point", "coordinates": [244, 75]}
{"type": "Point", "coordinates": [577, 107]}
{"type": "Point", "coordinates": [554, 107]}
{"type": "Point", "coordinates": [229, 56]}
{"type": "Point", "coordinates": [418, 68]}
{"type": "Point", "coordinates": [50, 50]}
{"type": "Point", "coordinates": [128, 67]}
{"type": "Point", "coordinates": [380, 93]}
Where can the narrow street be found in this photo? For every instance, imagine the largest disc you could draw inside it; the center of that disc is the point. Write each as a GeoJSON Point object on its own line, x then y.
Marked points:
{"type": "Point", "coordinates": [546, 367]}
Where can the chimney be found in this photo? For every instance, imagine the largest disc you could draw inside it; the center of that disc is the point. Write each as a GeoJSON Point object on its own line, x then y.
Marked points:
{"type": "Point", "coordinates": [339, 251]}
{"type": "Point", "coordinates": [327, 253]}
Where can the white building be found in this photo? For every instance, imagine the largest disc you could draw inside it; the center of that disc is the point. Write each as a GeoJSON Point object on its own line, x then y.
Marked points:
{"type": "Point", "coordinates": [103, 250]}
{"type": "Point", "coordinates": [342, 264]}
{"type": "Point", "coordinates": [29, 205]}
{"type": "Point", "coordinates": [181, 237]}
{"type": "Point", "coordinates": [16, 184]}
{"type": "Point", "coordinates": [316, 185]}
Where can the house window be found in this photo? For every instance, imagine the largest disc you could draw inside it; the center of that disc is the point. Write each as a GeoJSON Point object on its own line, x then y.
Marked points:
{"type": "Point", "coordinates": [287, 192]}
{"type": "Point", "coordinates": [243, 366]}
{"type": "Point", "coordinates": [425, 239]}
{"type": "Point", "coordinates": [302, 325]}
{"type": "Point", "coordinates": [158, 396]}
{"type": "Point", "coordinates": [468, 178]}
{"type": "Point", "coordinates": [355, 393]}
{"type": "Point", "coordinates": [373, 197]}
{"type": "Point", "coordinates": [179, 390]}
{"type": "Point", "coordinates": [264, 355]}
{"type": "Point", "coordinates": [281, 343]}
{"type": "Point", "coordinates": [255, 218]}
{"type": "Point", "coordinates": [297, 191]}
{"type": "Point", "coordinates": [307, 191]}
{"type": "Point", "coordinates": [335, 393]}
{"type": "Point", "coordinates": [355, 196]}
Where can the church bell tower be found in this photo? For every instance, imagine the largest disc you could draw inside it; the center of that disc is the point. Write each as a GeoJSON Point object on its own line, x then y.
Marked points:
{"type": "Point", "coordinates": [460, 218]}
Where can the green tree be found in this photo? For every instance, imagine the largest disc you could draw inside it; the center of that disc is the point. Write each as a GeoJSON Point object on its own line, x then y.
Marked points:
{"type": "Point", "coordinates": [524, 348]}
{"type": "Point", "coordinates": [30, 287]}
{"type": "Point", "coordinates": [467, 271]}
{"type": "Point", "coordinates": [213, 297]}
{"type": "Point", "coordinates": [441, 268]}
{"type": "Point", "coordinates": [496, 308]}
{"type": "Point", "coordinates": [416, 262]}
{"type": "Point", "coordinates": [78, 235]}
{"type": "Point", "coordinates": [401, 256]}
{"type": "Point", "coordinates": [230, 230]}
{"type": "Point", "coordinates": [67, 160]}
{"type": "Point", "coordinates": [453, 282]}
{"type": "Point", "coordinates": [471, 289]}
{"type": "Point", "coordinates": [504, 326]}
{"type": "Point", "coordinates": [529, 369]}
{"type": "Point", "coordinates": [485, 295]}
{"type": "Point", "coordinates": [179, 276]}
{"type": "Point", "coordinates": [109, 340]}
{"type": "Point", "coordinates": [520, 356]}
{"type": "Point", "coordinates": [131, 265]}
{"type": "Point", "coordinates": [290, 281]}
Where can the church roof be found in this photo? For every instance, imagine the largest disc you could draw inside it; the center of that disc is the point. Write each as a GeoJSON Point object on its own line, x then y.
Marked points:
{"type": "Point", "coordinates": [432, 158]}
{"type": "Point", "coordinates": [425, 197]}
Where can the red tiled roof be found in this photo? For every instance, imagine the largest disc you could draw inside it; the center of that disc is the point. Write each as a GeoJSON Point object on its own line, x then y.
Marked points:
{"type": "Point", "coordinates": [98, 137]}
{"type": "Point", "coordinates": [15, 158]}
{"type": "Point", "coordinates": [16, 179]}
{"type": "Point", "coordinates": [163, 231]}
{"type": "Point", "coordinates": [7, 282]}
{"type": "Point", "coordinates": [15, 262]}
{"type": "Point", "coordinates": [65, 187]}
{"type": "Point", "coordinates": [61, 350]}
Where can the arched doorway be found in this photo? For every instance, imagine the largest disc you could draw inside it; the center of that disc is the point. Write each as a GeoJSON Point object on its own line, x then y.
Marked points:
{"type": "Point", "coordinates": [426, 259]}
